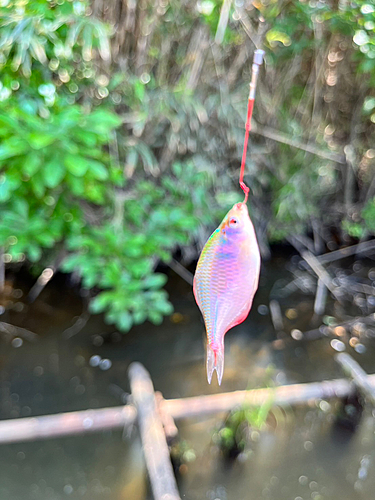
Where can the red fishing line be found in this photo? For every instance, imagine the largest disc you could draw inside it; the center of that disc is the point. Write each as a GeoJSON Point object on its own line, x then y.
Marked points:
{"type": "Point", "coordinates": [257, 61]}
{"type": "Point", "coordinates": [245, 188]}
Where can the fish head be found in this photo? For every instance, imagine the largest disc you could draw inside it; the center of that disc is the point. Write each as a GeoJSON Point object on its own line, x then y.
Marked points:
{"type": "Point", "coordinates": [237, 222]}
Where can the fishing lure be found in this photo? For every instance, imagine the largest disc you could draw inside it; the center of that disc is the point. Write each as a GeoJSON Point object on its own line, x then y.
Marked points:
{"type": "Point", "coordinates": [227, 273]}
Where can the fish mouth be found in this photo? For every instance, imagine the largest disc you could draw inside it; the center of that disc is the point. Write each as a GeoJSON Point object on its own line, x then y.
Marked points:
{"type": "Point", "coordinates": [240, 206]}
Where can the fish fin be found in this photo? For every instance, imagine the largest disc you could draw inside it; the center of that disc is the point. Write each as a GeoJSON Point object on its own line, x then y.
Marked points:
{"type": "Point", "coordinates": [215, 361]}
{"type": "Point", "coordinates": [220, 363]}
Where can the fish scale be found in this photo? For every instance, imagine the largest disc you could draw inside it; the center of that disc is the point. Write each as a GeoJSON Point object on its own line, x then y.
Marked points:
{"type": "Point", "coordinates": [226, 280]}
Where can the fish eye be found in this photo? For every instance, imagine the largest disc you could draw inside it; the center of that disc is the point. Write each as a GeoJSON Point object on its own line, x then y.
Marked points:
{"type": "Point", "coordinates": [233, 222]}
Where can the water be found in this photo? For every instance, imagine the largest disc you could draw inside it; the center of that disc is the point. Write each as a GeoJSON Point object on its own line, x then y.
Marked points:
{"type": "Point", "coordinates": [300, 454]}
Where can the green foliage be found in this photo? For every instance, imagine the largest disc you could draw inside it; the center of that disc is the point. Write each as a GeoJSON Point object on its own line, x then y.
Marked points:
{"type": "Point", "coordinates": [234, 435]}
{"type": "Point", "coordinates": [61, 184]}
{"type": "Point", "coordinates": [118, 145]}
{"type": "Point", "coordinates": [365, 224]}
{"type": "Point", "coordinates": [121, 262]}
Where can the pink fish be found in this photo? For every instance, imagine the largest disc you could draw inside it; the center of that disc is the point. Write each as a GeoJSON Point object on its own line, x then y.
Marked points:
{"type": "Point", "coordinates": [226, 280]}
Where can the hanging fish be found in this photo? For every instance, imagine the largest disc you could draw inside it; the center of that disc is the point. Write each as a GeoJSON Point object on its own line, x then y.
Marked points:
{"type": "Point", "coordinates": [227, 273]}
{"type": "Point", "coordinates": [226, 280]}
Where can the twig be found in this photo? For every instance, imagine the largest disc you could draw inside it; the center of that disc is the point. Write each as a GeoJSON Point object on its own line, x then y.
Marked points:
{"type": "Point", "coordinates": [198, 55]}
{"type": "Point", "coordinates": [167, 420]}
{"type": "Point", "coordinates": [45, 277]}
{"type": "Point", "coordinates": [77, 325]}
{"type": "Point", "coordinates": [316, 266]}
{"type": "Point", "coordinates": [350, 176]}
{"type": "Point", "coordinates": [181, 271]}
{"type": "Point", "coordinates": [285, 139]}
{"type": "Point", "coordinates": [17, 331]}
{"type": "Point", "coordinates": [347, 251]}
{"type": "Point", "coordinates": [2, 270]}
{"type": "Point", "coordinates": [223, 21]}
{"type": "Point", "coordinates": [324, 330]}
{"type": "Point", "coordinates": [319, 270]}
{"type": "Point", "coordinates": [320, 298]}
{"type": "Point", "coordinates": [356, 372]}
{"type": "Point", "coordinates": [276, 316]}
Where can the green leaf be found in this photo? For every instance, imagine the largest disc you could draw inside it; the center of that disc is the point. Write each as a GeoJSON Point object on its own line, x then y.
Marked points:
{"type": "Point", "coordinates": [31, 164]}
{"type": "Point", "coordinates": [124, 321]}
{"type": "Point", "coordinates": [12, 147]}
{"type": "Point", "coordinates": [155, 317]}
{"type": "Point", "coordinates": [102, 121]}
{"type": "Point", "coordinates": [164, 307]}
{"type": "Point", "coordinates": [54, 172]}
{"type": "Point", "coordinates": [76, 165]}
{"type": "Point", "coordinates": [139, 90]}
{"type": "Point", "coordinates": [39, 140]}
{"type": "Point", "coordinates": [34, 253]}
{"type": "Point", "coordinates": [100, 303]}
{"type": "Point", "coordinates": [38, 186]}
{"type": "Point", "coordinates": [155, 281]}
{"type": "Point", "coordinates": [139, 317]}
{"type": "Point", "coordinates": [5, 190]}
{"type": "Point", "coordinates": [98, 170]}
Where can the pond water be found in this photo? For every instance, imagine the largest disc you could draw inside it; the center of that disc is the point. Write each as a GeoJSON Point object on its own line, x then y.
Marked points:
{"type": "Point", "coordinates": [300, 454]}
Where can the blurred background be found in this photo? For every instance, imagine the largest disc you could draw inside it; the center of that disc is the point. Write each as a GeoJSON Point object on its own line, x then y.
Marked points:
{"type": "Point", "coordinates": [121, 134]}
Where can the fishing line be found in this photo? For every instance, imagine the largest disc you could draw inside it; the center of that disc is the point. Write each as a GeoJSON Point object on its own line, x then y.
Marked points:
{"type": "Point", "coordinates": [257, 61]}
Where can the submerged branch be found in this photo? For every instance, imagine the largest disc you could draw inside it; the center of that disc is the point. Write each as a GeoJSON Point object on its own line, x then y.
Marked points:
{"type": "Point", "coordinates": [46, 276]}
{"type": "Point", "coordinates": [356, 372]}
{"type": "Point", "coordinates": [17, 331]}
{"type": "Point", "coordinates": [181, 271]}
{"type": "Point", "coordinates": [77, 325]}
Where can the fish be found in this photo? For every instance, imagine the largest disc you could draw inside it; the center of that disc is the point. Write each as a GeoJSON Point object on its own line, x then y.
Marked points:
{"type": "Point", "coordinates": [225, 281]}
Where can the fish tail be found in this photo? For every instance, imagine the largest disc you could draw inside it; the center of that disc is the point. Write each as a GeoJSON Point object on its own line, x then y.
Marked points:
{"type": "Point", "coordinates": [215, 361]}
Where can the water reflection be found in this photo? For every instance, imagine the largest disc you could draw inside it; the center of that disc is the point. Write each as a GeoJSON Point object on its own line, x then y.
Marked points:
{"type": "Point", "coordinates": [302, 455]}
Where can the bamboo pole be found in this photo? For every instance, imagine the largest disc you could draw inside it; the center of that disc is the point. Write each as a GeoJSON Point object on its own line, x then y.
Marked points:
{"type": "Point", "coordinates": [65, 424]}
{"type": "Point", "coordinates": [33, 428]}
{"type": "Point", "coordinates": [296, 394]}
{"type": "Point", "coordinates": [154, 443]}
